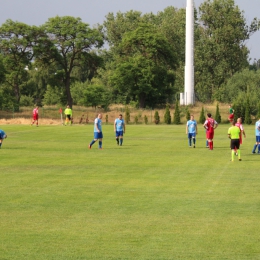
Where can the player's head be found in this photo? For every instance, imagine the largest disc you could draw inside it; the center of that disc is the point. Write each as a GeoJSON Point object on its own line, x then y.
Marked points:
{"type": "Point", "coordinates": [120, 116]}
{"type": "Point", "coordinates": [191, 117]}
{"type": "Point", "coordinates": [209, 115]}
{"type": "Point", "coordinates": [233, 123]}
{"type": "Point", "coordinates": [68, 106]}
{"type": "Point", "coordinates": [239, 120]}
{"type": "Point", "coordinates": [99, 116]}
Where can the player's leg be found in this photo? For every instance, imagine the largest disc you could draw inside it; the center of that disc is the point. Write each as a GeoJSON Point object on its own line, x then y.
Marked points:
{"type": "Point", "coordinates": [189, 139]}
{"type": "Point", "coordinates": [117, 137]}
{"type": "Point", "coordinates": [194, 140]}
{"type": "Point", "coordinates": [121, 138]}
{"type": "Point", "coordinates": [1, 140]}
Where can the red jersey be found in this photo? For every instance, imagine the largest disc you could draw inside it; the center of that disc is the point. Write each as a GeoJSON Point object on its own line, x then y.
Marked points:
{"type": "Point", "coordinates": [210, 124]}
{"type": "Point", "coordinates": [35, 111]}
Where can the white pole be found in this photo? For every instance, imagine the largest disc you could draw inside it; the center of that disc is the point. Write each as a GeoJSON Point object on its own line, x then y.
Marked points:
{"type": "Point", "coordinates": [189, 54]}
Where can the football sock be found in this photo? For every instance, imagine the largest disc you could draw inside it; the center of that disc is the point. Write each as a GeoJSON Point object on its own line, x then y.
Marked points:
{"type": "Point", "coordinates": [0, 145]}
{"type": "Point", "coordinates": [100, 144]}
{"type": "Point", "coordinates": [232, 155]}
{"type": "Point", "coordinates": [194, 141]}
{"type": "Point", "coordinates": [117, 140]}
{"type": "Point", "coordinates": [238, 153]}
{"type": "Point", "coordinates": [207, 143]}
{"type": "Point", "coordinates": [211, 145]}
{"type": "Point", "coordinates": [93, 141]}
{"type": "Point", "coordinates": [121, 141]}
{"type": "Point", "coordinates": [254, 148]}
{"type": "Point", "coordinates": [258, 148]}
{"type": "Point", "coordinates": [189, 141]}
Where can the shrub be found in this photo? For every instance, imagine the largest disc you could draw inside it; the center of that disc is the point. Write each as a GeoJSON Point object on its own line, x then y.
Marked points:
{"type": "Point", "coordinates": [127, 115]}
{"type": "Point", "coordinates": [145, 119]}
{"type": "Point", "coordinates": [167, 115]}
{"type": "Point", "coordinates": [177, 114]}
{"type": "Point", "coordinates": [156, 117]}
{"type": "Point", "coordinates": [187, 114]}
{"type": "Point", "coordinates": [136, 119]}
{"type": "Point", "coordinates": [202, 116]}
{"type": "Point", "coordinates": [217, 115]}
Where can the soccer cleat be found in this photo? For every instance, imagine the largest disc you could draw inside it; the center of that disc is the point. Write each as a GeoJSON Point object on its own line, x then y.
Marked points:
{"type": "Point", "coordinates": [253, 151]}
{"type": "Point", "coordinates": [240, 159]}
{"type": "Point", "coordinates": [89, 146]}
{"type": "Point", "coordinates": [193, 146]}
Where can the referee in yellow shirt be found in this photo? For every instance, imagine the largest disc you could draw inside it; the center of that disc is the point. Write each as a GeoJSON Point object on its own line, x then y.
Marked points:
{"type": "Point", "coordinates": [234, 135]}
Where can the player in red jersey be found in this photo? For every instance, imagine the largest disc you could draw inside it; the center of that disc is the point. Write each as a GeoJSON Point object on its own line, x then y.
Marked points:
{"type": "Point", "coordinates": [210, 125]}
{"type": "Point", "coordinates": [35, 115]}
{"type": "Point", "coordinates": [242, 131]}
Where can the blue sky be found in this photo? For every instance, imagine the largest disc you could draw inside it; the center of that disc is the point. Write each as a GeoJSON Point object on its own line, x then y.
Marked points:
{"type": "Point", "coordinates": [37, 12]}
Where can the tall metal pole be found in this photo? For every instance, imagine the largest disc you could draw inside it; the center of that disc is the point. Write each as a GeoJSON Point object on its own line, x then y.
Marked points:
{"type": "Point", "coordinates": [189, 97]}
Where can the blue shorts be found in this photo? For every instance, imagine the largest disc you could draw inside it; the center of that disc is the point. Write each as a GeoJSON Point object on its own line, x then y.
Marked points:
{"type": "Point", "coordinates": [98, 135]}
{"type": "Point", "coordinates": [257, 138]}
{"type": "Point", "coordinates": [2, 136]}
{"type": "Point", "coordinates": [191, 135]}
{"type": "Point", "coordinates": [119, 133]}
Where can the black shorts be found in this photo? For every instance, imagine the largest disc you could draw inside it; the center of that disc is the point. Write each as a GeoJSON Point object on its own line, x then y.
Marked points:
{"type": "Point", "coordinates": [234, 143]}
{"type": "Point", "coordinates": [68, 116]}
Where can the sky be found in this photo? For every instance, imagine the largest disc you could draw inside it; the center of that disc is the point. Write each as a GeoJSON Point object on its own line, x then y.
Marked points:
{"type": "Point", "coordinates": [37, 12]}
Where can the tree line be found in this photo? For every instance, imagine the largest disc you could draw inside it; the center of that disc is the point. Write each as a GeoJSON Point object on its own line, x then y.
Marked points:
{"type": "Point", "coordinates": [132, 58]}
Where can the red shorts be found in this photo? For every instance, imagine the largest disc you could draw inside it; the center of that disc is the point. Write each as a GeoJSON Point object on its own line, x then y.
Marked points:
{"type": "Point", "coordinates": [35, 117]}
{"type": "Point", "coordinates": [231, 116]}
{"type": "Point", "coordinates": [210, 135]}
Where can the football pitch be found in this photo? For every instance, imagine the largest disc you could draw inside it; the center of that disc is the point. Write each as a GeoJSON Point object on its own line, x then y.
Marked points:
{"type": "Point", "coordinates": [152, 198]}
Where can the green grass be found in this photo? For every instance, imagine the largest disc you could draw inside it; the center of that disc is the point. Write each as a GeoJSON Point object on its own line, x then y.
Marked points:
{"type": "Point", "coordinates": [152, 198]}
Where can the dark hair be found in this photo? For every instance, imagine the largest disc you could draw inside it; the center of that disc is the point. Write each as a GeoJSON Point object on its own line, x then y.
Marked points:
{"type": "Point", "coordinates": [209, 115]}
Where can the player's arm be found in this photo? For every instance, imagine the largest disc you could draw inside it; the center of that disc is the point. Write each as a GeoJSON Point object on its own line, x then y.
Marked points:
{"type": "Point", "coordinates": [187, 129]}
{"type": "Point", "coordinates": [205, 125]}
{"type": "Point", "coordinates": [124, 127]}
{"type": "Point", "coordinates": [215, 125]}
{"type": "Point", "coordinates": [115, 126]}
{"type": "Point", "coordinates": [96, 125]}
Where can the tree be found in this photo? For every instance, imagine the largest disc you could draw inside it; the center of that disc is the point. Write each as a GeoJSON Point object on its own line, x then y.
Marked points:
{"type": "Point", "coordinates": [220, 48]}
{"type": "Point", "coordinates": [156, 117]}
{"type": "Point", "coordinates": [187, 113]}
{"type": "Point", "coordinates": [72, 40]}
{"type": "Point", "coordinates": [202, 116]}
{"type": "Point", "coordinates": [167, 115]}
{"type": "Point", "coordinates": [248, 119]}
{"type": "Point", "coordinates": [127, 115]}
{"type": "Point", "coordinates": [217, 115]}
{"type": "Point", "coordinates": [143, 69]}
{"type": "Point", "coordinates": [177, 114]}
{"type": "Point", "coordinates": [19, 44]}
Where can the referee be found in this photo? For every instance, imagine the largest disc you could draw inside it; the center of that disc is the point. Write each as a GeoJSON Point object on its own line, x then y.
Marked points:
{"type": "Point", "coordinates": [234, 135]}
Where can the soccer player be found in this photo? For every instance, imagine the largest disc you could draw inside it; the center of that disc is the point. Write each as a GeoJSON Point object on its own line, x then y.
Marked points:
{"type": "Point", "coordinates": [231, 114]}
{"type": "Point", "coordinates": [119, 129]}
{"type": "Point", "coordinates": [192, 130]}
{"type": "Point", "coordinates": [210, 125]}
{"type": "Point", "coordinates": [98, 135]}
{"type": "Point", "coordinates": [242, 131]}
{"type": "Point", "coordinates": [257, 136]}
{"type": "Point", "coordinates": [234, 135]}
{"type": "Point", "coordinates": [35, 115]}
{"type": "Point", "coordinates": [68, 115]}
{"type": "Point", "coordinates": [3, 135]}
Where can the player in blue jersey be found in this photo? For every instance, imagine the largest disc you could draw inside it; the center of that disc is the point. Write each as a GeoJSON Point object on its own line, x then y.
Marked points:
{"type": "Point", "coordinates": [3, 135]}
{"type": "Point", "coordinates": [257, 136]}
{"type": "Point", "coordinates": [191, 131]}
{"type": "Point", "coordinates": [98, 135]}
{"type": "Point", "coordinates": [119, 129]}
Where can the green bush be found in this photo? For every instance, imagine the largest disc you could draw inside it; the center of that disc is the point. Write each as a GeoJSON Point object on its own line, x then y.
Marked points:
{"type": "Point", "coordinates": [167, 115]}
{"type": "Point", "coordinates": [127, 115]}
{"type": "Point", "coordinates": [217, 115]}
{"type": "Point", "coordinates": [177, 114]}
{"type": "Point", "coordinates": [145, 119]}
{"type": "Point", "coordinates": [156, 117]}
{"type": "Point", "coordinates": [202, 116]}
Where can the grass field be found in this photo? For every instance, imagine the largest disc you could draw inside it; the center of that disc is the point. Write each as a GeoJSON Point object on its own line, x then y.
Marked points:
{"type": "Point", "coordinates": [152, 198]}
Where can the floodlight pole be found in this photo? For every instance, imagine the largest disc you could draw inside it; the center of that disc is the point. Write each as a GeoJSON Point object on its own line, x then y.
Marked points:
{"type": "Point", "coordinates": [188, 95]}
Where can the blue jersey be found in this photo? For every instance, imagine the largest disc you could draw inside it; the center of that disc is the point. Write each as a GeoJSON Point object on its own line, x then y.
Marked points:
{"type": "Point", "coordinates": [119, 123]}
{"type": "Point", "coordinates": [2, 134]}
{"type": "Point", "coordinates": [99, 125]}
{"type": "Point", "coordinates": [257, 128]}
{"type": "Point", "coordinates": [192, 126]}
